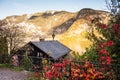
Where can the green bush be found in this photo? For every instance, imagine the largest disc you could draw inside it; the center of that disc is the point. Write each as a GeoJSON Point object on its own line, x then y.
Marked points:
{"type": "Point", "coordinates": [25, 62]}
{"type": "Point", "coordinates": [91, 54]}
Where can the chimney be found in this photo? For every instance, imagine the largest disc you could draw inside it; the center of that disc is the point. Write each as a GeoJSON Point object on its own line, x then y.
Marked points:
{"type": "Point", "coordinates": [41, 39]}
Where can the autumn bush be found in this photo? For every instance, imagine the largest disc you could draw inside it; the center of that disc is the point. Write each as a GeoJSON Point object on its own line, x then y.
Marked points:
{"type": "Point", "coordinates": [69, 70]}
{"type": "Point", "coordinates": [106, 48]}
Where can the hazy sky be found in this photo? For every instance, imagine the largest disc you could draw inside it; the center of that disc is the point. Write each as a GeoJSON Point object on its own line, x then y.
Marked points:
{"type": "Point", "coordinates": [18, 7]}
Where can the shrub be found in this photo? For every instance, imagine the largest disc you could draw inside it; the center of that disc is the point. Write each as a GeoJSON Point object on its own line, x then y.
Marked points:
{"type": "Point", "coordinates": [25, 63]}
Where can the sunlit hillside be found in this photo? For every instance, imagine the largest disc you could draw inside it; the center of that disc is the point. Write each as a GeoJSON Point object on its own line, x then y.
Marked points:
{"type": "Point", "coordinates": [75, 37]}
{"type": "Point", "coordinates": [70, 28]}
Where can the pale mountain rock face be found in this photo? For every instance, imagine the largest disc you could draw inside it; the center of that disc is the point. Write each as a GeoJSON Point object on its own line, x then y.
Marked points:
{"type": "Point", "coordinates": [70, 28]}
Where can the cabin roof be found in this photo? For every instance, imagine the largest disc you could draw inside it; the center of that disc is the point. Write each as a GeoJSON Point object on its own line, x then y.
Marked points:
{"type": "Point", "coordinates": [52, 48]}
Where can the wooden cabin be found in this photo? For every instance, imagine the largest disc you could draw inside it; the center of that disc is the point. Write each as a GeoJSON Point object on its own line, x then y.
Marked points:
{"type": "Point", "coordinates": [37, 50]}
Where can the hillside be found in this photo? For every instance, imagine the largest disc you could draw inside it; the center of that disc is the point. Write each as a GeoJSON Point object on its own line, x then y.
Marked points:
{"type": "Point", "coordinates": [70, 28]}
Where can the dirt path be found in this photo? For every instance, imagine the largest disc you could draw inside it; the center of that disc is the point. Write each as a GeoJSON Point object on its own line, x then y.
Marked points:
{"type": "Point", "coordinates": [6, 74]}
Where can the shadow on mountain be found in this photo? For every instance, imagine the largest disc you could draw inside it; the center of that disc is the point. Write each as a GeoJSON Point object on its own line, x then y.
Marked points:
{"type": "Point", "coordinates": [63, 27]}
{"type": "Point", "coordinates": [33, 17]}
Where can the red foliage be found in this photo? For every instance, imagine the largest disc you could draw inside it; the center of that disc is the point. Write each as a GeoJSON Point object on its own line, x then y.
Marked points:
{"type": "Point", "coordinates": [104, 26]}
{"type": "Point", "coordinates": [36, 74]}
{"type": "Point", "coordinates": [73, 71]}
{"type": "Point", "coordinates": [102, 58]}
{"type": "Point", "coordinates": [49, 74]}
{"type": "Point", "coordinates": [103, 51]}
{"type": "Point", "coordinates": [116, 27]}
{"type": "Point", "coordinates": [109, 43]}
{"type": "Point", "coordinates": [101, 45]}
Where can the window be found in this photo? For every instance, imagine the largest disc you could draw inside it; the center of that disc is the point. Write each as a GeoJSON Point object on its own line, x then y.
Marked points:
{"type": "Point", "coordinates": [39, 54]}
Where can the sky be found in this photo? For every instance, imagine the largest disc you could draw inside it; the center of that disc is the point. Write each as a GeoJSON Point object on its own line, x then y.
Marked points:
{"type": "Point", "coordinates": [19, 7]}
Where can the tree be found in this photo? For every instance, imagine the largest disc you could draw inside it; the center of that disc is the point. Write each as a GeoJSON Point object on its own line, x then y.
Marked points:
{"type": "Point", "coordinates": [3, 43]}
{"type": "Point", "coordinates": [13, 34]}
{"type": "Point", "coordinates": [113, 6]}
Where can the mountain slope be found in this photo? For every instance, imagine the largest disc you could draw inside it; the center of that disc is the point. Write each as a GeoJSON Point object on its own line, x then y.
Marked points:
{"type": "Point", "coordinates": [75, 37]}
{"type": "Point", "coordinates": [70, 28]}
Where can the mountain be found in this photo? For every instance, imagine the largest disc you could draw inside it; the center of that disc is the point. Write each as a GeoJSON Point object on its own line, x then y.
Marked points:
{"type": "Point", "coordinates": [70, 28]}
